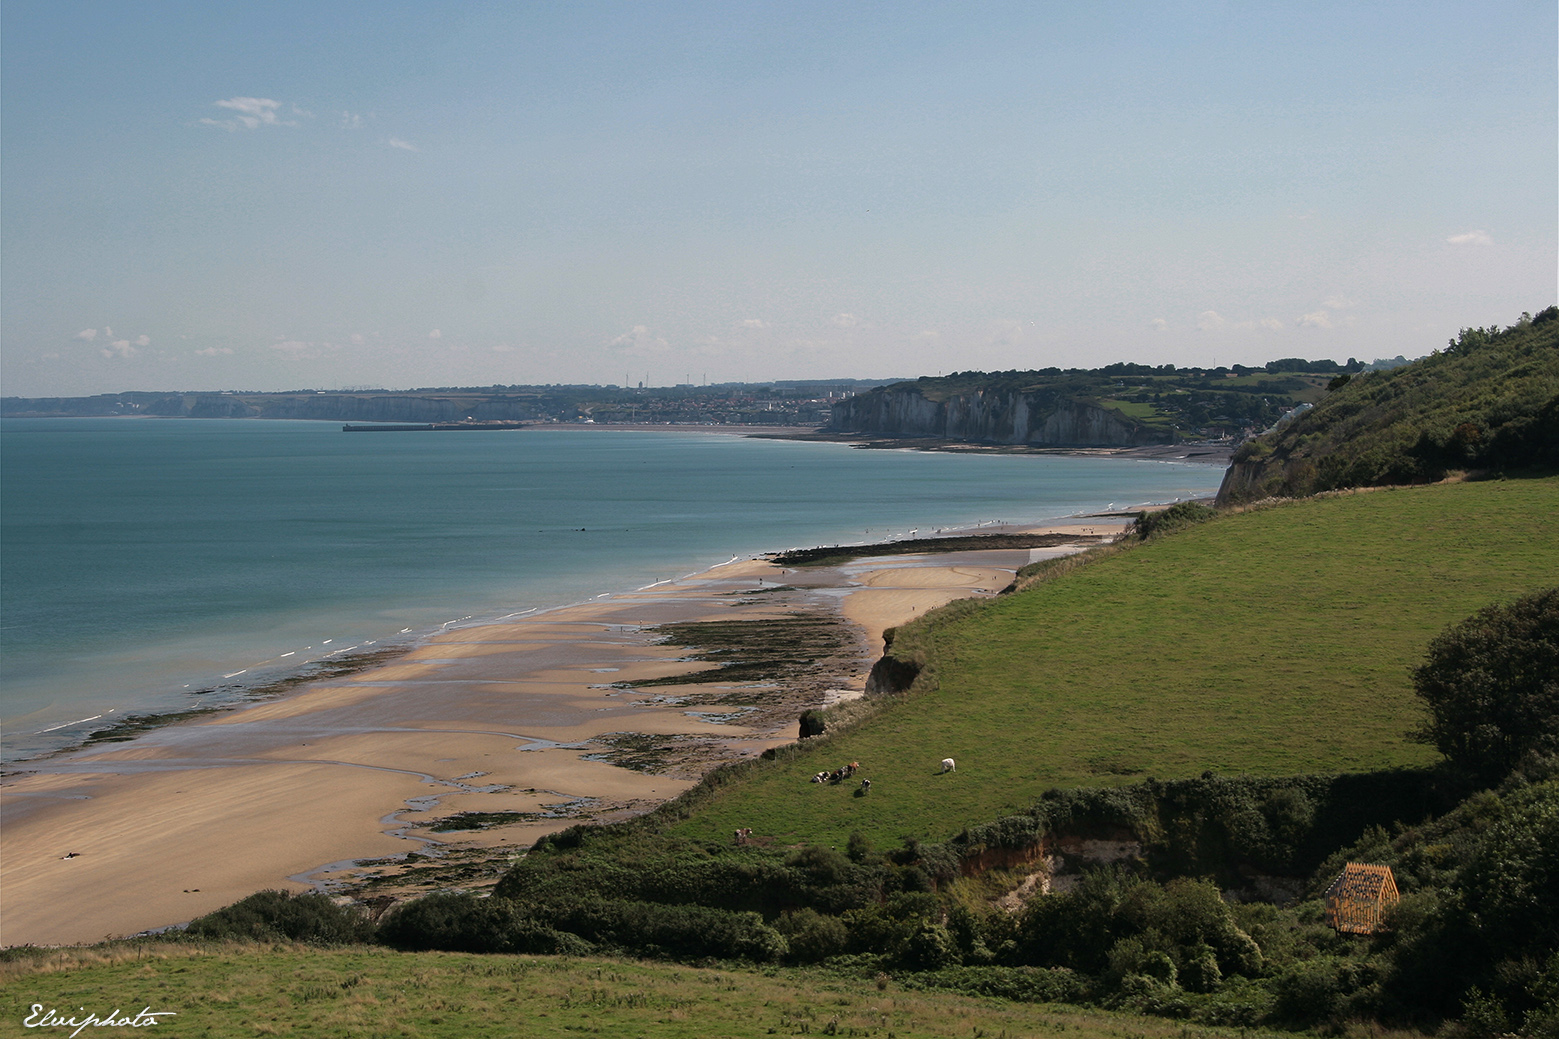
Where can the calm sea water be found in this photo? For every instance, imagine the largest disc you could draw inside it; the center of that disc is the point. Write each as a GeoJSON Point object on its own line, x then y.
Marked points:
{"type": "Point", "coordinates": [152, 565]}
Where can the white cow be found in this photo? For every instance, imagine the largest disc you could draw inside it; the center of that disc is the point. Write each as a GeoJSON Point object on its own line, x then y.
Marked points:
{"type": "Point", "coordinates": [948, 766]}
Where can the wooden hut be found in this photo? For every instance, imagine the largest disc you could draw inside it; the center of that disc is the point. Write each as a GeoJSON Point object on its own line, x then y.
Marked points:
{"type": "Point", "coordinates": [1358, 899]}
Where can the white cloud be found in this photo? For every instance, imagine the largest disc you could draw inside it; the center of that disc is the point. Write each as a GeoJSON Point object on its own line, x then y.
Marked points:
{"type": "Point", "coordinates": [357, 338]}
{"type": "Point", "coordinates": [88, 334]}
{"type": "Point", "coordinates": [1210, 320]}
{"type": "Point", "coordinates": [351, 121]}
{"type": "Point", "coordinates": [435, 334]}
{"type": "Point", "coordinates": [1316, 319]}
{"type": "Point", "coordinates": [1271, 324]}
{"type": "Point", "coordinates": [120, 348]}
{"type": "Point", "coordinates": [108, 331]}
{"type": "Point", "coordinates": [1471, 238]}
{"type": "Point", "coordinates": [754, 322]}
{"type": "Point", "coordinates": [295, 348]}
{"type": "Point", "coordinates": [143, 340]}
{"type": "Point", "coordinates": [1339, 303]}
{"type": "Point", "coordinates": [213, 351]}
{"type": "Point", "coordinates": [396, 142]}
{"type": "Point", "coordinates": [846, 320]}
{"type": "Point", "coordinates": [253, 112]}
{"type": "Point", "coordinates": [640, 341]}
{"type": "Point", "coordinates": [1159, 324]}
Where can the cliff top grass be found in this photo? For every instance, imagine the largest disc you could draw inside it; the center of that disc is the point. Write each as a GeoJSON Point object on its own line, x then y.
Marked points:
{"type": "Point", "coordinates": [245, 991]}
{"type": "Point", "coordinates": [1272, 642]}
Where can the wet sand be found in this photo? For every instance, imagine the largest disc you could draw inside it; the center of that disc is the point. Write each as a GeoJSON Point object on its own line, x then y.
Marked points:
{"type": "Point", "coordinates": [125, 837]}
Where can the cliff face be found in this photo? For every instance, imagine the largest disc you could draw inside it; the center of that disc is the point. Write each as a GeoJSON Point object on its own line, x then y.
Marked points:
{"type": "Point", "coordinates": [992, 417]}
{"type": "Point", "coordinates": [1249, 481]}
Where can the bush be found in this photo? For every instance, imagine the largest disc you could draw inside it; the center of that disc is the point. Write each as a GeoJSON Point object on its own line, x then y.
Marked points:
{"type": "Point", "coordinates": [931, 947]}
{"type": "Point", "coordinates": [279, 916]}
{"type": "Point", "coordinates": [1021, 984]}
{"type": "Point", "coordinates": [464, 923]}
{"type": "Point", "coordinates": [1491, 683]}
{"type": "Point", "coordinates": [681, 931]}
{"type": "Point", "coordinates": [812, 936]}
{"type": "Point", "coordinates": [1176, 517]}
{"type": "Point", "coordinates": [1316, 991]}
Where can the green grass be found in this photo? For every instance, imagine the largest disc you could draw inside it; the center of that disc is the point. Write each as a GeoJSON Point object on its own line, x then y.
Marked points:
{"type": "Point", "coordinates": [294, 991]}
{"type": "Point", "coordinates": [1142, 411]}
{"type": "Point", "coordinates": [1273, 642]}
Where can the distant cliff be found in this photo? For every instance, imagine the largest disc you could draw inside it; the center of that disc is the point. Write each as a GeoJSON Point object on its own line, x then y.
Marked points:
{"type": "Point", "coordinates": [1002, 416]}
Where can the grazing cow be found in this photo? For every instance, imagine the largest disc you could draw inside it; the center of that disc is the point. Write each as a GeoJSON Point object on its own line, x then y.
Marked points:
{"type": "Point", "coordinates": [743, 835]}
{"type": "Point", "coordinates": [948, 766]}
{"type": "Point", "coordinates": [866, 786]}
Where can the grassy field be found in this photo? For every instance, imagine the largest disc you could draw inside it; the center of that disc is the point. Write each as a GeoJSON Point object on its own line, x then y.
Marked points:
{"type": "Point", "coordinates": [1269, 643]}
{"type": "Point", "coordinates": [282, 991]}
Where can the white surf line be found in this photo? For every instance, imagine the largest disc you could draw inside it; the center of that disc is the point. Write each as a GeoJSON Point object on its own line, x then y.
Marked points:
{"type": "Point", "coordinates": [78, 721]}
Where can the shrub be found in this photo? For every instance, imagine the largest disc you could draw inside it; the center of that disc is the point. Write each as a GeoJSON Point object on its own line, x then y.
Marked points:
{"type": "Point", "coordinates": [279, 916]}
{"type": "Point", "coordinates": [682, 931]}
{"type": "Point", "coordinates": [931, 947]}
{"type": "Point", "coordinates": [1022, 984]}
{"type": "Point", "coordinates": [461, 922]}
{"type": "Point", "coordinates": [1176, 517]}
{"type": "Point", "coordinates": [1315, 991]}
{"type": "Point", "coordinates": [812, 937]}
{"type": "Point", "coordinates": [1491, 683]}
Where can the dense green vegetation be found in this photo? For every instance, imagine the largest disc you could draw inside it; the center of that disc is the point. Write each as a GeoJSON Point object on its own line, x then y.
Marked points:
{"type": "Point", "coordinates": [1473, 938]}
{"type": "Point", "coordinates": [1488, 401]}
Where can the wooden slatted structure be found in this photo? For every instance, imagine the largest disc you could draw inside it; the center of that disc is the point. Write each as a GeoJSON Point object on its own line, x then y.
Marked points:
{"type": "Point", "coordinates": [1358, 899]}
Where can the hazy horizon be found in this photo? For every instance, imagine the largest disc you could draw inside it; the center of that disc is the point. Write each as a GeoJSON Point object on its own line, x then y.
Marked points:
{"type": "Point", "coordinates": [269, 196]}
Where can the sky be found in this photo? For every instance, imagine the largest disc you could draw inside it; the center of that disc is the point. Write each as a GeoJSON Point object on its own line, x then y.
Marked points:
{"type": "Point", "coordinates": [279, 195]}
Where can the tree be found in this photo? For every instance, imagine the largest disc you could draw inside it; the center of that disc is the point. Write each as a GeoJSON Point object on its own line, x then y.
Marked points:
{"type": "Point", "coordinates": [1491, 683]}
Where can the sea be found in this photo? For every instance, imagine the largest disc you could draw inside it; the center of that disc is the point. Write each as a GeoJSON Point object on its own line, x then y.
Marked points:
{"type": "Point", "coordinates": [152, 566]}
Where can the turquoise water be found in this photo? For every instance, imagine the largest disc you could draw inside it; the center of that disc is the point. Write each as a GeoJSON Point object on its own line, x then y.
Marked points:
{"type": "Point", "coordinates": [150, 565]}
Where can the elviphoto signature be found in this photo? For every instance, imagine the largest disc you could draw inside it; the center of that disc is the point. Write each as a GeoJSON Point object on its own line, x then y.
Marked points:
{"type": "Point", "coordinates": [51, 1018]}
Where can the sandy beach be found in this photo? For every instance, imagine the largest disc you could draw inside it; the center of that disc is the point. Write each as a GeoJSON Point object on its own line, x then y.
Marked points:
{"type": "Point", "coordinates": [339, 779]}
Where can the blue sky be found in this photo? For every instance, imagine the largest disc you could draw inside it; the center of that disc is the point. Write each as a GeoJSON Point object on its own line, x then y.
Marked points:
{"type": "Point", "coordinates": [287, 195]}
